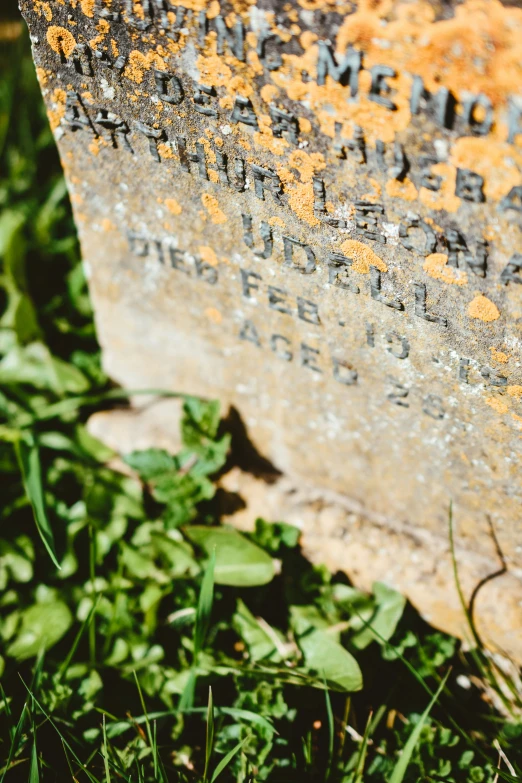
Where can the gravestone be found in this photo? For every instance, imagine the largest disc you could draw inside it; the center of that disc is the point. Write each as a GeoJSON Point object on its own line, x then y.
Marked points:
{"type": "Point", "coordinates": [311, 210]}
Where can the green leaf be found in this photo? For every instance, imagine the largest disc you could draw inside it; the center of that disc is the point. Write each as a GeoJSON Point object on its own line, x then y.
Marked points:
{"type": "Point", "coordinates": [260, 644]}
{"type": "Point", "coordinates": [29, 461]}
{"type": "Point", "coordinates": [388, 611]}
{"type": "Point", "coordinates": [324, 655]}
{"type": "Point", "coordinates": [151, 463]}
{"type": "Point", "coordinates": [42, 626]}
{"type": "Point", "coordinates": [239, 562]}
{"type": "Point", "coordinates": [34, 364]}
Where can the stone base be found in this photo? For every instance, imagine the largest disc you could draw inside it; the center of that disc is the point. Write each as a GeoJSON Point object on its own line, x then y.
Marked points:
{"type": "Point", "coordinates": [344, 536]}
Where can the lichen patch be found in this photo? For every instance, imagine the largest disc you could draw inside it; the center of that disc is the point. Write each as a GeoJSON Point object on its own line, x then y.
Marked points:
{"type": "Point", "coordinates": [211, 204]}
{"type": "Point", "coordinates": [60, 40]}
{"type": "Point", "coordinates": [436, 266]}
{"type": "Point", "coordinates": [483, 308]}
{"type": "Point", "coordinates": [362, 257]}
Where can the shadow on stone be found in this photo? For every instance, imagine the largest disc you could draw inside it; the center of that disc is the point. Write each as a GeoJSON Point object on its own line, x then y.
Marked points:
{"type": "Point", "coordinates": [243, 452]}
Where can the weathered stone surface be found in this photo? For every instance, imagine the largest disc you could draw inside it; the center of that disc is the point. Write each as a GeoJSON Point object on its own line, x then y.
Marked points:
{"type": "Point", "coordinates": [311, 210]}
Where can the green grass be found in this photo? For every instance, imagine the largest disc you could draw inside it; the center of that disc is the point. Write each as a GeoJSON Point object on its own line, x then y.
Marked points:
{"type": "Point", "coordinates": [140, 639]}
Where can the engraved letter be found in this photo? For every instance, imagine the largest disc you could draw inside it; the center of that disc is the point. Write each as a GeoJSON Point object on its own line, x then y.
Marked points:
{"type": "Point", "coordinates": [343, 373]}
{"type": "Point", "coordinates": [338, 266]}
{"type": "Point", "coordinates": [375, 290]}
{"type": "Point", "coordinates": [266, 179]}
{"type": "Point", "coordinates": [401, 351]}
{"type": "Point", "coordinates": [249, 332]}
{"type": "Point", "coordinates": [308, 355]}
{"type": "Point", "coordinates": [266, 235]}
{"type": "Point", "coordinates": [164, 81]}
{"type": "Point", "coordinates": [379, 88]}
{"type": "Point", "coordinates": [442, 105]}
{"type": "Point", "coordinates": [234, 37]}
{"type": "Point", "coordinates": [420, 306]}
{"type": "Point", "coordinates": [247, 285]}
{"type": "Point", "coordinates": [469, 185]}
{"type": "Point", "coordinates": [153, 135]}
{"type": "Point", "coordinates": [275, 300]}
{"type": "Point", "coordinates": [510, 271]}
{"type": "Point", "coordinates": [288, 244]}
{"type": "Point", "coordinates": [478, 127]}
{"type": "Point", "coordinates": [308, 311]}
{"type": "Point", "coordinates": [346, 72]}
{"type": "Point", "coordinates": [243, 111]}
{"type": "Point", "coordinates": [285, 355]}
{"type": "Point", "coordinates": [284, 122]}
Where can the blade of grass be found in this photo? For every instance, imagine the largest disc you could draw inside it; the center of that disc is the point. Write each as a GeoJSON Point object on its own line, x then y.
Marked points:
{"type": "Point", "coordinates": [204, 610]}
{"type": "Point", "coordinates": [483, 663]}
{"type": "Point", "coordinates": [400, 769]}
{"type": "Point", "coordinates": [82, 766]}
{"type": "Point", "coordinates": [456, 577]}
{"type": "Point", "coordinates": [67, 661]}
{"type": "Point", "coordinates": [186, 701]}
{"type": "Point", "coordinates": [29, 461]}
{"type": "Point", "coordinates": [152, 743]}
{"type": "Point", "coordinates": [105, 752]}
{"type": "Point", "coordinates": [209, 739]}
{"type": "Point", "coordinates": [15, 740]}
{"type": "Point", "coordinates": [361, 759]}
{"type": "Point", "coordinates": [223, 764]}
{"type": "Point", "coordinates": [331, 730]}
{"type": "Point", "coordinates": [34, 775]}
{"type": "Point", "coordinates": [73, 404]}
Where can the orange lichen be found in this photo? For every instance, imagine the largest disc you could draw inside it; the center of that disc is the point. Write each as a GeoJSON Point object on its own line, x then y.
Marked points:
{"type": "Point", "coordinates": [377, 190]}
{"type": "Point", "coordinates": [277, 221]}
{"type": "Point", "coordinates": [483, 308]}
{"type": "Point", "coordinates": [497, 404]}
{"type": "Point", "coordinates": [173, 206]}
{"type": "Point", "coordinates": [61, 40]}
{"type": "Point", "coordinates": [138, 63]}
{"type": "Point", "coordinates": [213, 315]}
{"type": "Point", "coordinates": [166, 151]}
{"type": "Point", "coordinates": [42, 76]}
{"type": "Point", "coordinates": [103, 28]}
{"type": "Point", "coordinates": [265, 138]}
{"type": "Point", "coordinates": [208, 255]}
{"type": "Point", "coordinates": [57, 110]}
{"type": "Point", "coordinates": [300, 193]}
{"type": "Point", "coordinates": [499, 356]}
{"type": "Point", "coordinates": [301, 201]}
{"type": "Point", "coordinates": [307, 164]}
{"type": "Point", "coordinates": [404, 189]}
{"type": "Point", "coordinates": [515, 391]}
{"type": "Point", "coordinates": [362, 257]}
{"type": "Point", "coordinates": [268, 93]}
{"type": "Point", "coordinates": [436, 266]}
{"type": "Point", "coordinates": [213, 71]}
{"type": "Point", "coordinates": [211, 204]}
{"type": "Point", "coordinates": [87, 7]}
{"type": "Point", "coordinates": [44, 8]}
